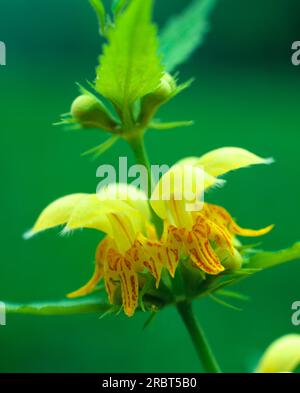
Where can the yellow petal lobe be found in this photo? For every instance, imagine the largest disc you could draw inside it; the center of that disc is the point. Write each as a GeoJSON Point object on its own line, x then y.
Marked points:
{"type": "Point", "coordinates": [222, 217]}
{"type": "Point", "coordinates": [221, 161]}
{"type": "Point", "coordinates": [283, 355]}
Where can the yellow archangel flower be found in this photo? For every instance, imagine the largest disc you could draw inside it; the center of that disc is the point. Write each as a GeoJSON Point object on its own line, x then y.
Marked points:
{"type": "Point", "coordinates": [207, 236]}
{"type": "Point", "coordinates": [131, 247]}
{"type": "Point", "coordinates": [121, 212]}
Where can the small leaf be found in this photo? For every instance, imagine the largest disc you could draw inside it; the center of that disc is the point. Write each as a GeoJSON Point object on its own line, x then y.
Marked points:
{"type": "Point", "coordinates": [149, 320]}
{"type": "Point", "coordinates": [248, 247]}
{"type": "Point", "coordinates": [99, 150]}
{"type": "Point", "coordinates": [185, 32]}
{"type": "Point", "coordinates": [112, 310]}
{"type": "Point", "coordinates": [216, 283]}
{"type": "Point", "coordinates": [264, 260]}
{"type": "Point", "coordinates": [245, 272]}
{"type": "Point", "coordinates": [183, 86]}
{"type": "Point", "coordinates": [233, 295]}
{"type": "Point", "coordinates": [167, 126]}
{"type": "Point", "coordinates": [130, 66]}
{"type": "Point", "coordinates": [101, 14]}
{"type": "Point", "coordinates": [117, 6]}
{"type": "Point", "coordinates": [225, 304]}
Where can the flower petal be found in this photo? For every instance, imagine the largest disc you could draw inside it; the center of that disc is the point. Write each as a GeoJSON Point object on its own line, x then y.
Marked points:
{"type": "Point", "coordinates": [90, 286]}
{"type": "Point", "coordinates": [57, 213]}
{"type": "Point", "coordinates": [201, 253]}
{"type": "Point", "coordinates": [220, 161]}
{"type": "Point", "coordinates": [129, 286]}
{"type": "Point", "coordinates": [98, 273]}
{"type": "Point", "coordinates": [281, 356]}
{"type": "Point", "coordinates": [113, 217]}
{"type": "Point", "coordinates": [150, 254]}
{"type": "Point", "coordinates": [181, 183]}
{"type": "Point", "coordinates": [135, 198]}
{"type": "Point", "coordinates": [221, 216]}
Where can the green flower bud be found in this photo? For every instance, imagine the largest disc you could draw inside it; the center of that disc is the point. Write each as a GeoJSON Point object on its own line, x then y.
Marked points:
{"type": "Point", "coordinates": [165, 90]}
{"type": "Point", "coordinates": [151, 102]}
{"type": "Point", "coordinates": [168, 78]}
{"type": "Point", "coordinates": [230, 262]}
{"type": "Point", "coordinates": [91, 113]}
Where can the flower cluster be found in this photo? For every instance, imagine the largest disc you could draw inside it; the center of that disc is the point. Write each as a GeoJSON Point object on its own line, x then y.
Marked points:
{"type": "Point", "coordinates": [132, 249]}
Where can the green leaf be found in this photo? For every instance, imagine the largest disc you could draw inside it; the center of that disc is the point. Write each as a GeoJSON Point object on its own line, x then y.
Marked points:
{"type": "Point", "coordinates": [102, 148]}
{"type": "Point", "coordinates": [64, 307]}
{"type": "Point", "coordinates": [183, 86]}
{"type": "Point", "coordinates": [101, 14]}
{"type": "Point", "coordinates": [156, 125]}
{"type": "Point", "coordinates": [111, 310]}
{"type": "Point", "coordinates": [214, 284]}
{"type": "Point", "coordinates": [233, 295]}
{"type": "Point", "coordinates": [130, 66]}
{"type": "Point", "coordinates": [225, 304]}
{"type": "Point", "coordinates": [149, 320]}
{"type": "Point", "coordinates": [264, 260]}
{"type": "Point", "coordinates": [185, 32]}
{"type": "Point", "coordinates": [117, 6]}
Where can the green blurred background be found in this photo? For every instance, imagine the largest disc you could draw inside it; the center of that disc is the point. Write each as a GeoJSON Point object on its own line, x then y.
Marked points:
{"type": "Point", "coordinates": [246, 94]}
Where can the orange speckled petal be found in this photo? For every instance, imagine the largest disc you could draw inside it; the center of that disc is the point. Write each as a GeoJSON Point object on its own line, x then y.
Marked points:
{"type": "Point", "coordinates": [150, 255]}
{"type": "Point", "coordinates": [236, 229]}
{"type": "Point", "coordinates": [98, 273]}
{"type": "Point", "coordinates": [121, 268]}
{"type": "Point", "coordinates": [222, 216]}
{"type": "Point", "coordinates": [112, 282]}
{"type": "Point", "coordinates": [202, 254]}
{"type": "Point", "coordinates": [89, 287]}
{"type": "Point", "coordinates": [206, 228]}
{"type": "Point", "coordinates": [129, 287]}
{"type": "Point", "coordinates": [173, 248]}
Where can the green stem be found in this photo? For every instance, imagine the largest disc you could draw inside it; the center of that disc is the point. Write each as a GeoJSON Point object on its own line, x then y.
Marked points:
{"type": "Point", "coordinates": [138, 147]}
{"type": "Point", "coordinates": [200, 342]}
{"type": "Point", "coordinates": [62, 307]}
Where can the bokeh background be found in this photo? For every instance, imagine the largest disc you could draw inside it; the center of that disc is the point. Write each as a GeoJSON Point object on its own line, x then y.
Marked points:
{"type": "Point", "coordinates": [246, 94]}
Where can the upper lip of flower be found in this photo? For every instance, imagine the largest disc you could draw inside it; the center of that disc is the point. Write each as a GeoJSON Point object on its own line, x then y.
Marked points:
{"type": "Point", "coordinates": [98, 211]}
{"type": "Point", "coordinates": [213, 164]}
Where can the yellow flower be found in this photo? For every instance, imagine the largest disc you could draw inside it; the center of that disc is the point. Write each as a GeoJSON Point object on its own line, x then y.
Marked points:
{"type": "Point", "coordinates": [195, 232]}
{"type": "Point", "coordinates": [122, 213]}
{"type": "Point", "coordinates": [282, 356]}
{"type": "Point", "coordinates": [131, 246]}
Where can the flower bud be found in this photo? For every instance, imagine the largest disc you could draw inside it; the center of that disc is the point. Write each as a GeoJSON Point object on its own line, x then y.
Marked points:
{"type": "Point", "coordinates": [91, 113]}
{"type": "Point", "coordinates": [166, 88]}
{"type": "Point", "coordinates": [282, 356]}
{"type": "Point", "coordinates": [230, 262]}
{"type": "Point", "coordinates": [151, 102]}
